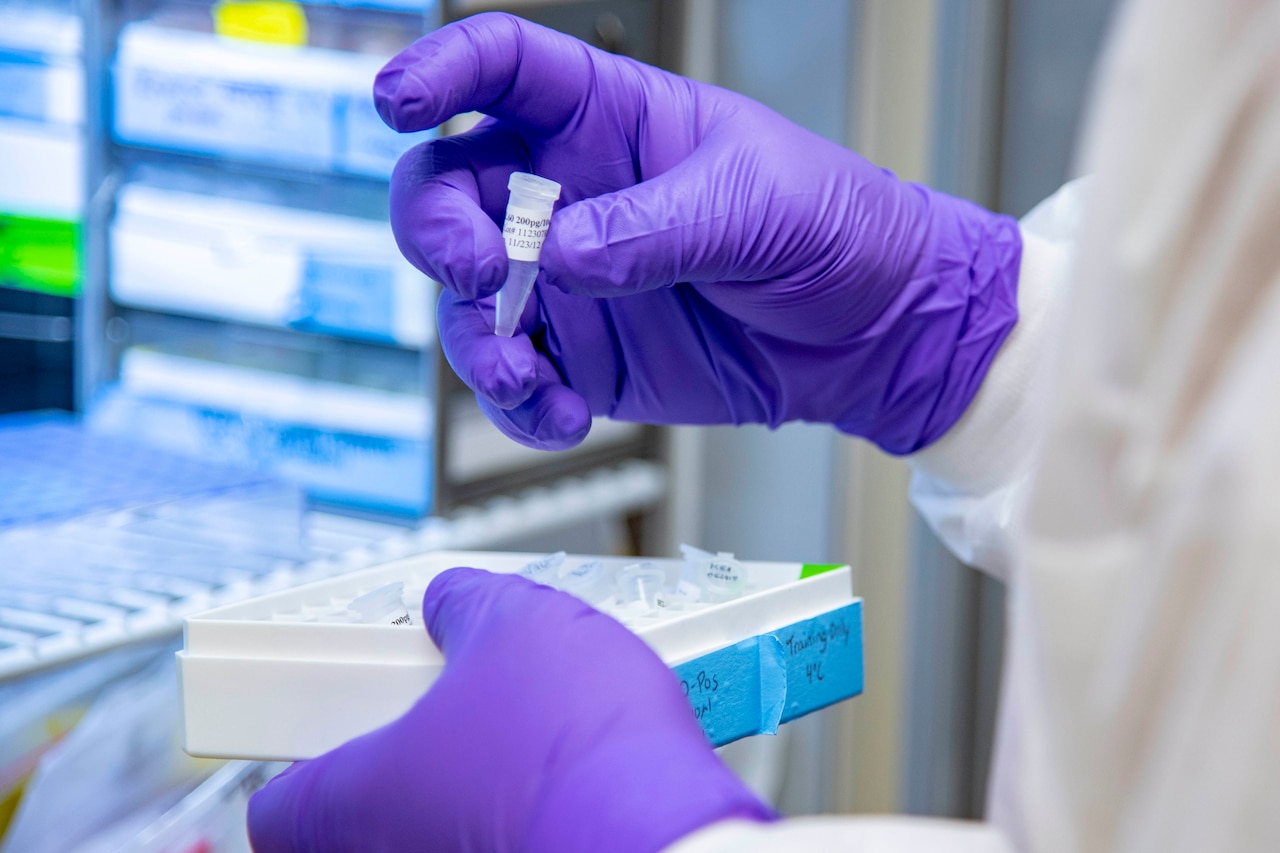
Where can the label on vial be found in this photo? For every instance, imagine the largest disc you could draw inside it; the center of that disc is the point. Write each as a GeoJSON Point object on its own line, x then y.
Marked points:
{"type": "Point", "coordinates": [727, 572]}
{"type": "Point", "coordinates": [544, 568]}
{"type": "Point", "coordinates": [525, 230]}
{"type": "Point", "coordinates": [585, 571]}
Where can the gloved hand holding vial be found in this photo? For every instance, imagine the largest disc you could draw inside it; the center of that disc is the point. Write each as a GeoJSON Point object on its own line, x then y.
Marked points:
{"type": "Point", "coordinates": [524, 231]}
{"type": "Point", "coordinates": [1114, 464]}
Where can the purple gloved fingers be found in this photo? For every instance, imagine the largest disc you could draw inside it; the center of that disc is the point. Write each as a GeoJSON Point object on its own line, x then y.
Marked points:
{"type": "Point", "coordinates": [447, 198]}
{"type": "Point", "coordinates": [544, 86]}
{"type": "Point", "coordinates": [502, 371]}
{"type": "Point", "coordinates": [332, 803]}
{"type": "Point", "coordinates": [682, 225]}
{"type": "Point", "coordinates": [755, 273]}
{"type": "Point", "coordinates": [554, 417]}
{"type": "Point", "coordinates": [552, 728]}
{"type": "Point", "coordinates": [492, 63]}
{"type": "Point", "coordinates": [517, 387]}
{"type": "Point", "coordinates": [479, 619]}
{"type": "Point", "coordinates": [739, 207]}
{"type": "Point", "coordinates": [470, 612]}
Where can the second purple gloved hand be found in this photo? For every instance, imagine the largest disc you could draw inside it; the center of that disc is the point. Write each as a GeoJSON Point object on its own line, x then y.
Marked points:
{"type": "Point", "coordinates": [552, 728]}
{"type": "Point", "coordinates": [712, 262]}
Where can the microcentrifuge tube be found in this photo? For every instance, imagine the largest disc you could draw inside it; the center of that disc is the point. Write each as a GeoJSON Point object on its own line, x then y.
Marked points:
{"type": "Point", "coordinates": [545, 569]}
{"type": "Point", "coordinates": [589, 581]}
{"type": "Point", "coordinates": [683, 596]}
{"type": "Point", "coordinates": [720, 577]}
{"type": "Point", "coordinates": [640, 583]}
{"type": "Point", "coordinates": [524, 231]}
{"type": "Point", "coordinates": [383, 606]}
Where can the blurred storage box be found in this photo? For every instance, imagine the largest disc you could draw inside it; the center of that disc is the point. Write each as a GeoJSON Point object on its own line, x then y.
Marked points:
{"type": "Point", "coordinates": [306, 107]}
{"type": "Point", "coordinates": [42, 172]}
{"type": "Point", "coordinates": [41, 169]}
{"type": "Point", "coordinates": [346, 444]}
{"type": "Point", "coordinates": [258, 263]}
{"type": "Point", "coordinates": [41, 76]}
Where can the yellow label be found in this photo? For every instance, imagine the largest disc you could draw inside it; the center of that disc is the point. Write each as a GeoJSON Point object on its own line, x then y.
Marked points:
{"type": "Point", "coordinates": [266, 21]}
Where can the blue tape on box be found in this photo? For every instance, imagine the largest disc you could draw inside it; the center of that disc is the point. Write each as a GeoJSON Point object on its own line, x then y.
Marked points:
{"type": "Point", "coordinates": [824, 660]}
{"type": "Point", "coordinates": [751, 687]}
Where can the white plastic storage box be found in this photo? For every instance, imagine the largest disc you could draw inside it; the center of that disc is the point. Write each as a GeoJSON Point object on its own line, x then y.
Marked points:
{"type": "Point", "coordinates": [259, 684]}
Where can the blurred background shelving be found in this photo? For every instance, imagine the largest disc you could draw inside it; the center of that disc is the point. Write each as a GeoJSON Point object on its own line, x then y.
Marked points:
{"type": "Point", "coordinates": [194, 252]}
{"type": "Point", "coordinates": [42, 181]}
{"type": "Point", "coordinates": [196, 258]}
{"type": "Point", "coordinates": [243, 297]}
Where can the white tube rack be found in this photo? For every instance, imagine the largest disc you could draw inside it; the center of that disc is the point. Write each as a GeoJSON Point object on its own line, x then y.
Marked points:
{"type": "Point", "coordinates": [624, 488]}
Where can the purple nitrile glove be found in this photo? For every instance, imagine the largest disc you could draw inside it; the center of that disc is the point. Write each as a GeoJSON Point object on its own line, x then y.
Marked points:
{"type": "Point", "coordinates": [750, 270]}
{"type": "Point", "coordinates": [552, 728]}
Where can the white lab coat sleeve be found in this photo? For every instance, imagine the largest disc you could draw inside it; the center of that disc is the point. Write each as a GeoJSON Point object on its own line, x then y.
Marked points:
{"type": "Point", "coordinates": [848, 835]}
{"type": "Point", "coordinates": [971, 485]}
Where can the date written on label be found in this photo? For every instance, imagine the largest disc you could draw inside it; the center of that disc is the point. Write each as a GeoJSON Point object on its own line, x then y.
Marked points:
{"type": "Point", "coordinates": [700, 690]}
{"type": "Point", "coordinates": [521, 231]}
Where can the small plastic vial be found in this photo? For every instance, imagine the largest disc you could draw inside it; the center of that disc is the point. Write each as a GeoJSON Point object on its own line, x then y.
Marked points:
{"type": "Point", "coordinates": [383, 606]}
{"type": "Point", "coordinates": [589, 581]}
{"type": "Point", "coordinates": [524, 231]}
{"type": "Point", "coordinates": [719, 577]}
{"type": "Point", "coordinates": [333, 611]}
{"type": "Point", "coordinates": [640, 583]}
{"type": "Point", "coordinates": [683, 596]}
{"type": "Point", "coordinates": [544, 570]}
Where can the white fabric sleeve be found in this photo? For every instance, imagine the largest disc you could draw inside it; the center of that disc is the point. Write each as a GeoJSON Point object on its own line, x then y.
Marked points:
{"type": "Point", "coordinates": [847, 834]}
{"type": "Point", "coordinates": [971, 484]}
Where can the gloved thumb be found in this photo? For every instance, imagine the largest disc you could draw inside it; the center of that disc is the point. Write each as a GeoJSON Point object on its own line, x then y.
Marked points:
{"type": "Point", "coordinates": [276, 812]}
{"type": "Point", "coordinates": [463, 605]}
{"type": "Point", "coordinates": [682, 225]}
{"type": "Point", "coordinates": [337, 801]}
{"type": "Point", "coordinates": [466, 609]}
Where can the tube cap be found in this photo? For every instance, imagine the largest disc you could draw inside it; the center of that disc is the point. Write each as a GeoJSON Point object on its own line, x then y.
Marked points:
{"type": "Point", "coordinates": [532, 188]}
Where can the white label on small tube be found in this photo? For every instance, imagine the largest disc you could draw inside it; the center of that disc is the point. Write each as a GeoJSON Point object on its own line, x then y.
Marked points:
{"type": "Point", "coordinates": [525, 230]}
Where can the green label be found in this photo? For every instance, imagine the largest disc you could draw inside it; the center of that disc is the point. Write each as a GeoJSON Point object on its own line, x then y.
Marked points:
{"type": "Point", "coordinates": [808, 570]}
{"type": "Point", "coordinates": [40, 254]}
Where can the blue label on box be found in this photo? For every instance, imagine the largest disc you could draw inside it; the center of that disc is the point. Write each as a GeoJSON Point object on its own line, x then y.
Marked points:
{"type": "Point", "coordinates": [364, 144]}
{"type": "Point", "coordinates": [378, 472]}
{"type": "Point", "coordinates": [824, 660]}
{"type": "Point", "coordinates": [751, 687]}
{"type": "Point", "coordinates": [203, 115]}
{"type": "Point", "coordinates": [347, 298]}
{"type": "Point", "coordinates": [22, 85]}
{"type": "Point", "coordinates": [381, 473]}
